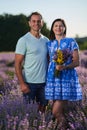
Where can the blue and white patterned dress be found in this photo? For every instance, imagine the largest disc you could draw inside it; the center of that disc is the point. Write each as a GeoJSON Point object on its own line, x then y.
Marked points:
{"type": "Point", "coordinates": [66, 86]}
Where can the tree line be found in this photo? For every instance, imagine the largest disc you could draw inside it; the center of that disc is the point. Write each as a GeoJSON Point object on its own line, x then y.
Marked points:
{"type": "Point", "coordinates": [12, 27]}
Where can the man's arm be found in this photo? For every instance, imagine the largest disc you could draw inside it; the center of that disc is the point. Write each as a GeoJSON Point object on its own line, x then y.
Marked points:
{"type": "Point", "coordinates": [18, 69]}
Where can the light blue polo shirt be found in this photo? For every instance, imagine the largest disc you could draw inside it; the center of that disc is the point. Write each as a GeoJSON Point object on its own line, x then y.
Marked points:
{"type": "Point", "coordinates": [35, 61]}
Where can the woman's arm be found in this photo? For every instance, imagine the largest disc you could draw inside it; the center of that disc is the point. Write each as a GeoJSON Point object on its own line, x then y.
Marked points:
{"type": "Point", "coordinates": [75, 62]}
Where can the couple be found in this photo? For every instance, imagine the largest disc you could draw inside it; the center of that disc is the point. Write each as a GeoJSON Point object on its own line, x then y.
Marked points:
{"type": "Point", "coordinates": [38, 80]}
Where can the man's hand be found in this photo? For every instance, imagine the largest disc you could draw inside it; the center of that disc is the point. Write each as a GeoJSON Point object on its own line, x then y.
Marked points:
{"type": "Point", "coordinates": [25, 88]}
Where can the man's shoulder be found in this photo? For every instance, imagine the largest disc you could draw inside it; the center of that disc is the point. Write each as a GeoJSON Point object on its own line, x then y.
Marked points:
{"type": "Point", "coordinates": [23, 37]}
{"type": "Point", "coordinates": [44, 37]}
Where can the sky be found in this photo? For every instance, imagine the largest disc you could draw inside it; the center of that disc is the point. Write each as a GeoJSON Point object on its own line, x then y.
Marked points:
{"type": "Point", "coordinates": [74, 12]}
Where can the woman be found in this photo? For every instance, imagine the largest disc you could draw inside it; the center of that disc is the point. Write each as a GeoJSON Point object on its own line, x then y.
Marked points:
{"type": "Point", "coordinates": [66, 86]}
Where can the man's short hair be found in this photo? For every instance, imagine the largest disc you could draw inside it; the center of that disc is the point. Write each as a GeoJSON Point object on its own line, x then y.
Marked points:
{"type": "Point", "coordinates": [34, 13]}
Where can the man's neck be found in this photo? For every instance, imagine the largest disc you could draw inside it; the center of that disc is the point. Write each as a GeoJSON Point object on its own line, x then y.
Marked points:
{"type": "Point", "coordinates": [35, 34]}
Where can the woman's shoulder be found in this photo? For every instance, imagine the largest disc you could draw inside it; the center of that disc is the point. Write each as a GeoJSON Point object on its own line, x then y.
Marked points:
{"type": "Point", "coordinates": [69, 39]}
{"type": "Point", "coordinates": [72, 43]}
{"type": "Point", "coordinates": [51, 42]}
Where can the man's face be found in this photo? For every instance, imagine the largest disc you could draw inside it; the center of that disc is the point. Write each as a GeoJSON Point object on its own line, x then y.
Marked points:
{"type": "Point", "coordinates": [35, 23]}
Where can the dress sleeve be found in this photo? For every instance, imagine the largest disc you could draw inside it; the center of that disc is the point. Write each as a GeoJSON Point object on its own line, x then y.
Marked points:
{"type": "Point", "coordinates": [74, 44]}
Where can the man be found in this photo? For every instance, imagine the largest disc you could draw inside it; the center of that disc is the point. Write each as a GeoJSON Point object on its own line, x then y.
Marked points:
{"type": "Point", "coordinates": [31, 52]}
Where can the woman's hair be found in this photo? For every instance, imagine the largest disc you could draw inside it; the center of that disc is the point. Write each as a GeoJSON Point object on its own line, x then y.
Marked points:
{"type": "Point", "coordinates": [52, 35]}
{"type": "Point", "coordinates": [34, 13]}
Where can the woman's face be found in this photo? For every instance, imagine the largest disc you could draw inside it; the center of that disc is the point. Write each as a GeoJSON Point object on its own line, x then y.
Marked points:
{"type": "Point", "coordinates": [58, 28]}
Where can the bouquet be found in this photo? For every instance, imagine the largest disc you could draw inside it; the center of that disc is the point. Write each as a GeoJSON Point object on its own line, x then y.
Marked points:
{"type": "Point", "coordinates": [60, 57]}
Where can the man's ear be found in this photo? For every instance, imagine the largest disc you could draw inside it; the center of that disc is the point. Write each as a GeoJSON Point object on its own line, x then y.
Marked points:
{"type": "Point", "coordinates": [42, 23]}
{"type": "Point", "coordinates": [29, 23]}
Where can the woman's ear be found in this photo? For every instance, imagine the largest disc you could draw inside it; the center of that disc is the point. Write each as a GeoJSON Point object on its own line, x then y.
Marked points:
{"type": "Point", "coordinates": [64, 29]}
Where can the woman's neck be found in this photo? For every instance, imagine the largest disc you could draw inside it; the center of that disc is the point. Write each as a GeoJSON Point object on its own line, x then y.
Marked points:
{"type": "Point", "coordinates": [59, 37]}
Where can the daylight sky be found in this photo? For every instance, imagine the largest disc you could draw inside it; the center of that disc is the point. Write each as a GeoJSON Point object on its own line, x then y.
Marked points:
{"type": "Point", "coordinates": [74, 12]}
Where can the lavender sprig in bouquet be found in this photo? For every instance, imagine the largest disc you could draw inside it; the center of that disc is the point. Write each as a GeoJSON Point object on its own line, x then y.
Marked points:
{"type": "Point", "coordinates": [60, 57]}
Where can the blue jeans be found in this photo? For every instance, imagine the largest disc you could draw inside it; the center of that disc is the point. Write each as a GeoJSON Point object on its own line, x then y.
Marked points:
{"type": "Point", "coordinates": [37, 92]}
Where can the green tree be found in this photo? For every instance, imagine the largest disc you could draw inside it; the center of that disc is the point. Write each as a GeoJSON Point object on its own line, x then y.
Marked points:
{"type": "Point", "coordinates": [12, 27]}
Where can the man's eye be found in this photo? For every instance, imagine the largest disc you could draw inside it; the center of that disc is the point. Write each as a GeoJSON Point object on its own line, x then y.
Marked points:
{"type": "Point", "coordinates": [36, 21]}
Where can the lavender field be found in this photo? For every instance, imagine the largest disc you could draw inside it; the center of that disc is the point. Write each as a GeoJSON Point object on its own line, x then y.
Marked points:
{"type": "Point", "coordinates": [15, 114]}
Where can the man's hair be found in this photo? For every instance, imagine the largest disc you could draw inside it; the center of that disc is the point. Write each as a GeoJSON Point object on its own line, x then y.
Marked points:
{"type": "Point", "coordinates": [34, 13]}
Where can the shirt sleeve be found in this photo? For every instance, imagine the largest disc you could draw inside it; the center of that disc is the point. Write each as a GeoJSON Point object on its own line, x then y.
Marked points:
{"type": "Point", "coordinates": [21, 46]}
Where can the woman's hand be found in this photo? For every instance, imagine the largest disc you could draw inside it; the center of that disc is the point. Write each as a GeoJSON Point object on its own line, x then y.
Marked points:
{"type": "Point", "coordinates": [60, 67]}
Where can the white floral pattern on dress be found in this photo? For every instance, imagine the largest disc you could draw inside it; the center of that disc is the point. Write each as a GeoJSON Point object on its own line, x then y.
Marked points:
{"type": "Point", "coordinates": [67, 86]}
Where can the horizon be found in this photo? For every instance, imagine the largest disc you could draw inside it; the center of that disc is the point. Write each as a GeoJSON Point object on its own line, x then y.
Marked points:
{"type": "Point", "coordinates": [73, 12]}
